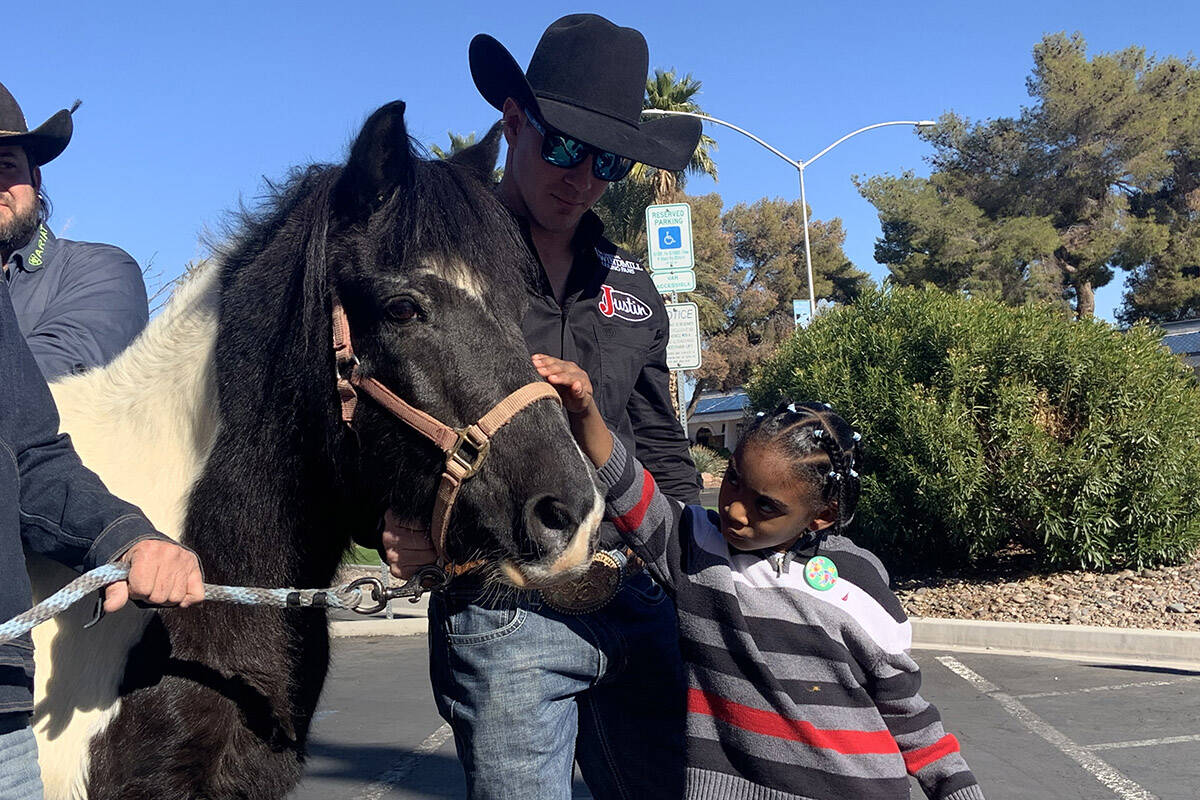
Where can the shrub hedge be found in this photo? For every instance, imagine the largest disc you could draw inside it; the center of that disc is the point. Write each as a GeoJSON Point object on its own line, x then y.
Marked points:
{"type": "Point", "coordinates": [986, 426]}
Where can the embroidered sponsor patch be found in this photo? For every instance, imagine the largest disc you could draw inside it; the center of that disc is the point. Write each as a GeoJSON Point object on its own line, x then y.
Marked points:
{"type": "Point", "coordinates": [615, 303]}
{"type": "Point", "coordinates": [618, 264]}
{"type": "Point", "coordinates": [36, 257]}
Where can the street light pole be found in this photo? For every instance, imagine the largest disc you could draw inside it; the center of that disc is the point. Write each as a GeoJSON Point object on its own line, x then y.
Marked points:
{"type": "Point", "coordinates": [799, 166]}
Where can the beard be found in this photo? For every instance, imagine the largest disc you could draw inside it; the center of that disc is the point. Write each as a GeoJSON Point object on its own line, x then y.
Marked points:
{"type": "Point", "coordinates": [15, 232]}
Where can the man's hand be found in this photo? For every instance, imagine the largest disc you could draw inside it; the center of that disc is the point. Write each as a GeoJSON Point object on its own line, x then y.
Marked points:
{"type": "Point", "coordinates": [160, 572]}
{"type": "Point", "coordinates": [406, 545]}
{"type": "Point", "coordinates": [569, 380]}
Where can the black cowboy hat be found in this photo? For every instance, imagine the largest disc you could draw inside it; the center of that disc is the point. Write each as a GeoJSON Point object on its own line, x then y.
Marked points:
{"type": "Point", "coordinates": [45, 142]}
{"type": "Point", "coordinates": [587, 78]}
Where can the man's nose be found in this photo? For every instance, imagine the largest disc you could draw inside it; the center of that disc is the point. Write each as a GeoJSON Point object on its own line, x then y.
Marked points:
{"type": "Point", "coordinates": [580, 176]}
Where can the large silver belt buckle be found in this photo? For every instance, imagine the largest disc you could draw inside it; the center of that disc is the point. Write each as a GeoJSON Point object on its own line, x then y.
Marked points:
{"type": "Point", "coordinates": [590, 592]}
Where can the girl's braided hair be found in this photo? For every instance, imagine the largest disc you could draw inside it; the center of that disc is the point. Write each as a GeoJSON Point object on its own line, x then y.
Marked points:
{"type": "Point", "coordinates": [822, 447]}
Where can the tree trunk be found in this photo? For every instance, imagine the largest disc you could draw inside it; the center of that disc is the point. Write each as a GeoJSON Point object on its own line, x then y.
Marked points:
{"type": "Point", "coordinates": [1085, 300]}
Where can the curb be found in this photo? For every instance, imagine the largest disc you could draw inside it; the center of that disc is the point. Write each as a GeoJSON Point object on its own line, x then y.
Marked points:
{"type": "Point", "coordinates": [1173, 649]}
{"type": "Point", "coordinates": [401, 626]}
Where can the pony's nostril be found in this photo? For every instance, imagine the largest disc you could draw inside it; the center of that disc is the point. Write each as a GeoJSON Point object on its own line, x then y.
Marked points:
{"type": "Point", "coordinates": [548, 522]}
{"type": "Point", "coordinates": [552, 514]}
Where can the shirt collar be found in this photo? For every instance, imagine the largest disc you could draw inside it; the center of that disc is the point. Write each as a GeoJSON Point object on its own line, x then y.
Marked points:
{"type": "Point", "coordinates": [33, 256]}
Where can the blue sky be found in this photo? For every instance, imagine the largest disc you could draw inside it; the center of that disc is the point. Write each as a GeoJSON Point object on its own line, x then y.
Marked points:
{"type": "Point", "coordinates": [188, 107]}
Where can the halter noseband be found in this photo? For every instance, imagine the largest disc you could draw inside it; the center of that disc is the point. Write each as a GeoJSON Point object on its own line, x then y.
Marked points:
{"type": "Point", "coordinates": [465, 448]}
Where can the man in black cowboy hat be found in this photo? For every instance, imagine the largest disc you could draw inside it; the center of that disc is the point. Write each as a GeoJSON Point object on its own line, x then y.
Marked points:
{"type": "Point", "coordinates": [589, 671]}
{"type": "Point", "coordinates": [78, 304]}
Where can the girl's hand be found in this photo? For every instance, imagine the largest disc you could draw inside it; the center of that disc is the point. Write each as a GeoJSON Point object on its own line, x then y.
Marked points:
{"type": "Point", "coordinates": [568, 378]}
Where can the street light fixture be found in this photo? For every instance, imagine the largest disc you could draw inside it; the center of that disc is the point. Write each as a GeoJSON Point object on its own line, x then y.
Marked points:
{"type": "Point", "coordinates": [799, 167]}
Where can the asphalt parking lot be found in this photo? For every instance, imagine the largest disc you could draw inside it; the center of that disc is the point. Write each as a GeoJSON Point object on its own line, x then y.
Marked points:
{"type": "Point", "coordinates": [1030, 727]}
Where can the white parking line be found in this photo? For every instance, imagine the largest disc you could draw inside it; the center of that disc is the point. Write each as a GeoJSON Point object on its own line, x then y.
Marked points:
{"type": "Point", "coordinates": [1144, 742]}
{"type": "Point", "coordinates": [400, 770]}
{"type": "Point", "coordinates": [1093, 764]}
{"type": "Point", "coordinates": [1113, 688]}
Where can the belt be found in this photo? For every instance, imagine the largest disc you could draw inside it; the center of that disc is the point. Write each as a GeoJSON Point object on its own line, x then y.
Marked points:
{"type": "Point", "coordinates": [597, 586]}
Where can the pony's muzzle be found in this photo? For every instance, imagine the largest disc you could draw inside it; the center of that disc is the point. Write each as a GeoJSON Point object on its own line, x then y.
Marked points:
{"type": "Point", "coordinates": [558, 541]}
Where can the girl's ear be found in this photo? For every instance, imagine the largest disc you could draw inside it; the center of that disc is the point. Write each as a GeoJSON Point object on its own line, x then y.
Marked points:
{"type": "Point", "coordinates": [825, 518]}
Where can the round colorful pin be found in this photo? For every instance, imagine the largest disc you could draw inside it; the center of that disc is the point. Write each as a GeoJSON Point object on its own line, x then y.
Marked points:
{"type": "Point", "coordinates": [820, 573]}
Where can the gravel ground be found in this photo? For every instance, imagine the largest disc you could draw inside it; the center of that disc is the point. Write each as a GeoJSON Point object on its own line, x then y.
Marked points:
{"type": "Point", "coordinates": [1166, 598]}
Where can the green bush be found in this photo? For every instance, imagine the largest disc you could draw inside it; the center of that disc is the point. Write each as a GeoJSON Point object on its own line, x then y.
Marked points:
{"type": "Point", "coordinates": [708, 460]}
{"type": "Point", "coordinates": [986, 426]}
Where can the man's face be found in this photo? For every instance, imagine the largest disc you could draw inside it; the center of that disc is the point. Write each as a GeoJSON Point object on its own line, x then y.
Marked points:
{"type": "Point", "coordinates": [18, 198]}
{"type": "Point", "coordinates": [554, 198]}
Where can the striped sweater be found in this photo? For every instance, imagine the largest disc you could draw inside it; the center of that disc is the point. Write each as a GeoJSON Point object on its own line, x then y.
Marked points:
{"type": "Point", "coordinates": [792, 692]}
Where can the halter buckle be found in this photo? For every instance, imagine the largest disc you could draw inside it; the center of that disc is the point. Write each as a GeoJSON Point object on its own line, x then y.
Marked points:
{"type": "Point", "coordinates": [468, 451]}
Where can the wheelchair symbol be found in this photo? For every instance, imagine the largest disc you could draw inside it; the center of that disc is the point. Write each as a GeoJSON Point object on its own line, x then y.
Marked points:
{"type": "Point", "coordinates": [669, 238]}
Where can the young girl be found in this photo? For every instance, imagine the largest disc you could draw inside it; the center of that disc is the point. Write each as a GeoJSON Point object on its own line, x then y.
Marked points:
{"type": "Point", "coordinates": [800, 684]}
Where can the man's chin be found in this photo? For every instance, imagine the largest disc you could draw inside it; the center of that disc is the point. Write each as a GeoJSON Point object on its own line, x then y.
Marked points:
{"type": "Point", "coordinates": [16, 229]}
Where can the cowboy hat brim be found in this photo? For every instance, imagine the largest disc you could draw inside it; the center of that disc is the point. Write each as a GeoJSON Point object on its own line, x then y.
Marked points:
{"type": "Point", "coordinates": [666, 143]}
{"type": "Point", "coordinates": [45, 142]}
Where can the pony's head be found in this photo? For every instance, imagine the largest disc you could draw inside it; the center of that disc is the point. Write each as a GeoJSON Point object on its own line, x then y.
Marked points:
{"type": "Point", "coordinates": [432, 271]}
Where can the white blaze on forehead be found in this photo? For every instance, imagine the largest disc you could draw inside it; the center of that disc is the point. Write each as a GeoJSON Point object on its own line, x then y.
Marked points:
{"type": "Point", "coordinates": [456, 272]}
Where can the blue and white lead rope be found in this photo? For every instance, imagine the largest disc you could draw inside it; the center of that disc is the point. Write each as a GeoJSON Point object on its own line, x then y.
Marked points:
{"type": "Point", "coordinates": [100, 577]}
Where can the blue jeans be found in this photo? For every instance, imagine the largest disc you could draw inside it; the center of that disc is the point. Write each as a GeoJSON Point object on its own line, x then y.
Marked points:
{"type": "Point", "coordinates": [528, 691]}
{"type": "Point", "coordinates": [20, 778]}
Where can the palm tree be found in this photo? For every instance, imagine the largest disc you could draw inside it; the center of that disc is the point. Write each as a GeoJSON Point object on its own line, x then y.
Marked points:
{"type": "Point", "coordinates": [666, 92]}
{"type": "Point", "coordinates": [458, 143]}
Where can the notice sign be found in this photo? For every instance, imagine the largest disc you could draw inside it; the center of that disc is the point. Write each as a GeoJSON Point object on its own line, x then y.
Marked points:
{"type": "Point", "coordinates": [669, 237]}
{"type": "Point", "coordinates": [683, 346]}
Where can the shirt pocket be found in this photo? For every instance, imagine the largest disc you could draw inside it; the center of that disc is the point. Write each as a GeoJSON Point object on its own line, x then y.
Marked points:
{"type": "Point", "coordinates": [624, 349]}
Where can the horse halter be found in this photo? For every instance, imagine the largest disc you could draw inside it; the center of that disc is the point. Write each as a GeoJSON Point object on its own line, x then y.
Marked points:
{"type": "Point", "coordinates": [465, 448]}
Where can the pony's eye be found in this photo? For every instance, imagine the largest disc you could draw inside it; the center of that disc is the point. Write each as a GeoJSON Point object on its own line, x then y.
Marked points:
{"type": "Point", "coordinates": [403, 310]}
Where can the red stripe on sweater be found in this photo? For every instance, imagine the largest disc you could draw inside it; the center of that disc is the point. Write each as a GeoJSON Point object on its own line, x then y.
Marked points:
{"type": "Point", "coordinates": [769, 723]}
{"type": "Point", "coordinates": [632, 519]}
{"type": "Point", "coordinates": [917, 760]}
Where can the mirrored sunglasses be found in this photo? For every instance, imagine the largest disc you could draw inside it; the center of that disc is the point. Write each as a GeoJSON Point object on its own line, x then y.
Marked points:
{"type": "Point", "coordinates": [563, 151]}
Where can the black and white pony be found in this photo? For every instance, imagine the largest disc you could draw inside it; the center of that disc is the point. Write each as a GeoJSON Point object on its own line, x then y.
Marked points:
{"type": "Point", "coordinates": [223, 423]}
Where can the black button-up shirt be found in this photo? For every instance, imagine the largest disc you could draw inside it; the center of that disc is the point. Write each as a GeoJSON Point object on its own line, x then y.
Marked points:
{"type": "Point", "coordinates": [49, 502]}
{"type": "Point", "coordinates": [614, 325]}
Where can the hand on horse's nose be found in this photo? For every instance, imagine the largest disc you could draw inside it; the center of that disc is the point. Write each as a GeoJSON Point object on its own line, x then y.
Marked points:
{"type": "Point", "coordinates": [549, 524]}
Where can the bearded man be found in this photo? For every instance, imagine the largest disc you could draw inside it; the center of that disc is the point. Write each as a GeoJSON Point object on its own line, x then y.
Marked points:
{"type": "Point", "coordinates": [78, 304]}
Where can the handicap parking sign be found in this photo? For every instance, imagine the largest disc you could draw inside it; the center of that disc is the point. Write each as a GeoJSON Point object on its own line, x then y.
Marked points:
{"type": "Point", "coordinates": [670, 238]}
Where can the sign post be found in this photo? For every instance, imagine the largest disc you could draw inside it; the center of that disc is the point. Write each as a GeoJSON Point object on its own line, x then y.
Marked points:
{"type": "Point", "coordinates": [671, 261]}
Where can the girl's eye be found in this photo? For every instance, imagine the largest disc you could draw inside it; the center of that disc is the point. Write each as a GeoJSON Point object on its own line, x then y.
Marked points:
{"type": "Point", "coordinates": [403, 310]}
{"type": "Point", "coordinates": [767, 507]}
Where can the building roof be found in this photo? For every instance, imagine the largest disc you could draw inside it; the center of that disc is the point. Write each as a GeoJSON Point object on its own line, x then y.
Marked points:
{"type": "Point", "coordinates": [1184, 343]}
{"type": "Point", "coordinates": [722, 403]}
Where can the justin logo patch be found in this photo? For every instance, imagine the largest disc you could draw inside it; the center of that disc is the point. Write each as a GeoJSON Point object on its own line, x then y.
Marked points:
{"type": "Point", "coordinates": [622, 305]}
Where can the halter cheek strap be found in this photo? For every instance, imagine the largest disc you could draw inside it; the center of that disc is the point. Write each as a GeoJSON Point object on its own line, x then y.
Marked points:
{"type": "Point", "coordinates": [465, 448]}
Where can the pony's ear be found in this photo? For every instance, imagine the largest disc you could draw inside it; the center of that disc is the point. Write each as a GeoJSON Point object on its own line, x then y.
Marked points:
{"type": "Point", "coordinates": [481, 157]}
{"type": "Point", "coordinates": [380, 160]}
